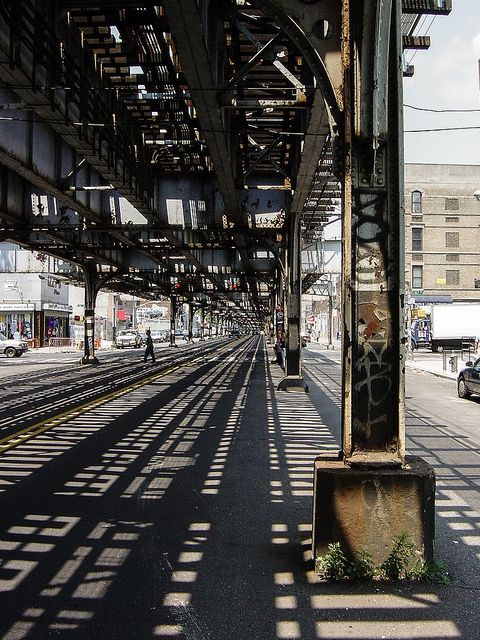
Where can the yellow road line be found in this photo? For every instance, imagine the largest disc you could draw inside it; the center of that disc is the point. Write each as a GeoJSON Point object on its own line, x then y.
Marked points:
{"type": "Point", "coordinates": [30, 432]}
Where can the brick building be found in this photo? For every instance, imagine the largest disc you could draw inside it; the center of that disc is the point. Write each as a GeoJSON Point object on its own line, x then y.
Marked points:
{"type": "Point", "coordinates": [442, 240]}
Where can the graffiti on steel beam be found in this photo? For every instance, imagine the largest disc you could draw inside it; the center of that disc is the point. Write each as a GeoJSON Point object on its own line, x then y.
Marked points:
{"type": "Point", "coordinates": [373, 372]}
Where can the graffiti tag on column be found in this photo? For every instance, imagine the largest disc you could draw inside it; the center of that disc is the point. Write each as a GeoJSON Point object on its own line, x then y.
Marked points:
{"type": "Point", "coordinates": [373, 366]}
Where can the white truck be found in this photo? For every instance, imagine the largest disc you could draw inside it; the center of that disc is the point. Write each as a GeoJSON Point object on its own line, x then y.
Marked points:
{"type": "Point", "coordinates": [454, 326]}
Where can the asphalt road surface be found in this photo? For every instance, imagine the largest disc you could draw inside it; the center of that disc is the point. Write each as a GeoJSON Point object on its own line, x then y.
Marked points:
{"type": "Point", "coordinates": [178, 503]}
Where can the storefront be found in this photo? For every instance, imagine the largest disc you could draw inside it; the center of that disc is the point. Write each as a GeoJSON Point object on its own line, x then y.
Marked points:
{"type": "Point", "coordinates": [56, 321]}
{"type": "Point", "coordinates": [17, 320]}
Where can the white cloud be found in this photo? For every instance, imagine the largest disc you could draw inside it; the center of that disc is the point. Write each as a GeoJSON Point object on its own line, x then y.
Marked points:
{"type": "Point", "coordinates": [456, 73]}
{"type": "Point", "coordinates": [446, 77]}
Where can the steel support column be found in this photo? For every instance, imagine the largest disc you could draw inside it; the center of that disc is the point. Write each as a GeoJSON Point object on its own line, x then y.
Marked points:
{"type": "Point", "coordinates": [293, 380]}
{"type": "Point", "coordinates": [202, 323]}
{"type": "Point", "coordinates": [330, 314]}
{"type": "Point", "coordinates": [372, 495]}
{"type": "Point", "coordinates": [91, 290]}
{"type": "Point", "coordinates": [278, 304]}
{"type": "Point", "coordinates": [373, 355]}
{"type": "Point", "coordinates": [173, 315]}
{"type": "Point", "coordinates": [190, 323]}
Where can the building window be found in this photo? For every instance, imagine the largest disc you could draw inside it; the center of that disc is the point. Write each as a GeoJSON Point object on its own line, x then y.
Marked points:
{"type": "Point", "coordinates": [416, 202]}
{"type": "Point", "coordinates": [417, 276]}
{"type": "Point", "coordinates": [452, 257]}
{"type": "Point", "coordinates": [451, 204]}
{"type": "Point", "coordinates": [453, 277]}
{"type": "Point", "coordinates": [452, 219]}
{"type": "Point", "coordinates": [417, 239]}
{"type": "Point", "coordinates": [452, 239]}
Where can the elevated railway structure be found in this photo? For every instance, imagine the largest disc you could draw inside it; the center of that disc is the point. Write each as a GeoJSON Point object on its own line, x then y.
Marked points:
{"type": "Point", "coordinates": [191, 149]}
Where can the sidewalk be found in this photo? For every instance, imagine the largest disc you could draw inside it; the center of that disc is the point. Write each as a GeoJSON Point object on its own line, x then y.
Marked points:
{"type": "Point", "coordinates": [439, 364]}
{"type": "Point", "coordinates": [403, 610]}
{"type": "Point", "coordinates": [443, 365]}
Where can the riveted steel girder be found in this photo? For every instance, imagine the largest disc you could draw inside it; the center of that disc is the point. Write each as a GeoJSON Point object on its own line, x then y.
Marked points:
{"type": "Point", "coordinates": [317, 30]}
{"type": "Point", "coordinates": [188, 33]}
{"type": "Point", "coordinates": [373, 373]}
{"type": "Point", "coordinates": [167, 101]}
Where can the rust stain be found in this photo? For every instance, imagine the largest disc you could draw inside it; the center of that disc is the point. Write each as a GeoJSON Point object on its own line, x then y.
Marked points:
{"type": "Point", "coordinates": [370, 319]}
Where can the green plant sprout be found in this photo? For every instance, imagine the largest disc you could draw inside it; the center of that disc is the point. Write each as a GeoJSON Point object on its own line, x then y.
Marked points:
{"type": "Point", "coordinates": [334, 565]}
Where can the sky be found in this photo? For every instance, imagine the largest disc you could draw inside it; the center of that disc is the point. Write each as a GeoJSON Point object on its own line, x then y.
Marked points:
{"type": "Point", "coordinates": [446, 77]}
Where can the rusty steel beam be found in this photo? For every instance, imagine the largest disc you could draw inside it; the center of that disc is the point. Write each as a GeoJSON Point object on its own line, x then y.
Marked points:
{"type": "Point", "coordinates": [188, 35]}
{"type": "Point", "coordinates": [373, 279]}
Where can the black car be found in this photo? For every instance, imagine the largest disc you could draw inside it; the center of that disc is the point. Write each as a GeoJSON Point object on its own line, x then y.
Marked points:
{"type": "Point", "coordinates": [468, 380]}
{"type": "Point", "coordinates": [305, 339]}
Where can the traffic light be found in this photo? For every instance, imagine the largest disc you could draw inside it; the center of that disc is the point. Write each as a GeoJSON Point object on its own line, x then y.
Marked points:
{"type": "Point", "coordinates": [233, 284]}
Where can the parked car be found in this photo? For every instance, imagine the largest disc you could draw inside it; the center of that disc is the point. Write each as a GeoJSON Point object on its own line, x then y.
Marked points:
{"type": "Point", "coordinates": [305, 339]}
{"type": "Point", "coordinates": [128, 338]}
{"type": "Point", "coordinates": [468, 380]}
{"type": "Point", "coordinates": [12, 348]}
{"type": "Point", "coordinates": [160, 336]}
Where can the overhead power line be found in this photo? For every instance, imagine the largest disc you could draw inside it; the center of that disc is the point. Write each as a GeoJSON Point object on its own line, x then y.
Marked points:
{"type": "Point", "coordinates": [440, 129]}
{"type": "Point", "coordinates": [410, 106]}
{"type": "Point", "coordinates": [137, 126]}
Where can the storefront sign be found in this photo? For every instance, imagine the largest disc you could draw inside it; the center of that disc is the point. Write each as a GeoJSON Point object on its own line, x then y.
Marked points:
{"type": "Point", "coordinates": [17, 307]}
{"type": "Point", "coordinates": [53, 306]}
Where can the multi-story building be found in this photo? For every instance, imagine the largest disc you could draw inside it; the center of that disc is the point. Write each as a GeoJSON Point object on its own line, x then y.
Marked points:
{"type": "Point", "coordinates": [33, 300]}
{"type": "Point", "coordinates": [442, 240]}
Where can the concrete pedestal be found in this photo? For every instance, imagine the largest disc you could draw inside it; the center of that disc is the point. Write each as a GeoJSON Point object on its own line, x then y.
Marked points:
{"type": "Point", "coordinates": [89, 360]}
{"type": "Point", "coordinates": [366, 508]}
{"type": "Point", "coordinates": [293, 383]}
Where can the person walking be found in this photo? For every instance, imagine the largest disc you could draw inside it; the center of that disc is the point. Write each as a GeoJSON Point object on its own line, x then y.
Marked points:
{"type": "Point", "coordinates": [283, 350]}
{"type": "Point", "coordinates": [149, 350]}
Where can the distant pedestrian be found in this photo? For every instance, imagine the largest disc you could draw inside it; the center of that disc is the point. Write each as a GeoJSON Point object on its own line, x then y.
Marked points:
{"type": "Point", "coordinates": [283, 349]}
{"type": "Point", "coordinates": [149, 349]}
{"type": "Point", "coordinates": [280, 349]}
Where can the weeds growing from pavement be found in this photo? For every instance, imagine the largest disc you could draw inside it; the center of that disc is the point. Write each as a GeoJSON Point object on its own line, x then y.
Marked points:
{"type": "Point", "coordinates": [399, 559]}
{"type": "Point", "coordinates": [399, 565]}
{"type": "Point", "coordinates": [333, 565]}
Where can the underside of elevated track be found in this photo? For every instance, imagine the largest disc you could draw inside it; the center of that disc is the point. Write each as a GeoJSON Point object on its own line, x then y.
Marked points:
{"type": "Point", "coordinates": [194, 149]}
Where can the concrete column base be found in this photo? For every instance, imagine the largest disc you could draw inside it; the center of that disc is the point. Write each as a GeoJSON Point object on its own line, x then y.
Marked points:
{"type": "Point", "coordinates": [293, 383]}
{"type": "Point", "coordinates": [366, 508]}
{"type": "Point", "coordinates": [89, 360]}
